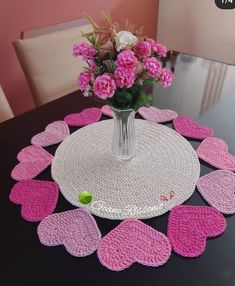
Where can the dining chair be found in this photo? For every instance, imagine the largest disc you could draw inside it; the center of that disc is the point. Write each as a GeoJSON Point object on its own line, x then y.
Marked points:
{"type": "Point", "coordinates": [5, 109]}
{"type": "Point", "coordinates": [46, 58]}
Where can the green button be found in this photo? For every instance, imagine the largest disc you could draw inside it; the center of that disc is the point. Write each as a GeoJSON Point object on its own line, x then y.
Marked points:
{"type": "Point", "coordinates": [85, 197]}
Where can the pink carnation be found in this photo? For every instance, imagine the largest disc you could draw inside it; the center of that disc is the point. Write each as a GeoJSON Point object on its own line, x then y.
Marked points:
{"type": "Point", "coordinates": [166, 77]}
{"type": "Point", "coordinates": [104, 86]}
{"type": "Point", "coordinates": [160, 49]}
{"type": "Point", "coordinates": [143, 49]}
{"type": "Point", "coordinates": [152, 66]}
{"type": "Point", "coordinates": [92, 63]}
{"type": "Point", "coordinates": [151, 42]}
{"type": "Point", "coordinates": [126, 60]}
{"type": "Point", "coordinates": [124, 77]}
{"type": "Point", "coordinates": [85, 50]}
{"type": "Point", "coordinates": [84, 80]}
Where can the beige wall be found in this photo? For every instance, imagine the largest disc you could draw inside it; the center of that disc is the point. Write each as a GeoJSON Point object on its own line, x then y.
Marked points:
{"type": "Point", "coordinates": [197, 27]}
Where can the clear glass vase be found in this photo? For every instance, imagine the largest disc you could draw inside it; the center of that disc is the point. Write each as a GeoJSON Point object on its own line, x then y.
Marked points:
{"type": "Point", "coordinates": [124, 144]}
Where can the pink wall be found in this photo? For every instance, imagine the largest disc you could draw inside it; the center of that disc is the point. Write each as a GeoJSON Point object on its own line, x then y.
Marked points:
{"type": "Point", "coordinates": [17, 16]}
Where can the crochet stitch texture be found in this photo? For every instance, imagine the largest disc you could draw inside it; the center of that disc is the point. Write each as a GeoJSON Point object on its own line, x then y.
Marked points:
{"type": "Point", "coordinates": [76, 230]}
{"type": "Point", "coordinates": [217, 188]}
{"type": "Point", "coordinates": [187, 127]}
{"type": "Point", "coordinates": [38, 199]}
{"type": "Point", "coordinates": [190, 226]}
{"type": "Point", "coordinates": [54, 133]}
{"type": "Point", "coordinates": [33, 160]}
{"type": "Point", "coordinates": [157, 115]}
{"type": "Point", "coordinates": [87, 116]}
{"type": "Point", "coordinates": [215, 152]}
{"type": "Point", "coordinates": [133, 241]}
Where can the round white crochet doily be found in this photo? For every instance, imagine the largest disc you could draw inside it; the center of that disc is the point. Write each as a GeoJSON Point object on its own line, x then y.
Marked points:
{"type": "Point", "coordinates": [162, 175]}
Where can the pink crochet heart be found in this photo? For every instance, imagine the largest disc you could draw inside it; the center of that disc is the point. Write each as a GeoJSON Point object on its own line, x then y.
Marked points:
{"type": "Point", "coordinates": [76, 230]}
{"type": "Point", "coordinates": [157, 115]}
{"type": "Point", "coordinates": [218, 189]}
{"type": "Point", "coordinates": [187, 127]}
{"type": "Point", "coordinates": [38, 199]}
{"type": "Point", "coordinates": [86, 117]}
{"type": "Point", "coordinates": [215, 152]}
{"type": "Point", "coordinates": [106, 110]}
{"type": "Point", "coordinates": [133, 241]}
{"type": "Point", "coordinates": [190, 226]}
{"type": "Point", "coordinates": [33, 160]}
{"type": "Point", "coordinates": [54, 133]}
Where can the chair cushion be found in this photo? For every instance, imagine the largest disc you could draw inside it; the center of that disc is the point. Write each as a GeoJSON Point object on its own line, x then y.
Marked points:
{"type": "Point", "coordinates": [48, 62]}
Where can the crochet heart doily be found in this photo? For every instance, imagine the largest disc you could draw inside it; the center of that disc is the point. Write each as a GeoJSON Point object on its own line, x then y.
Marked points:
{"type": "Point", "coordinates": [133, 241]}
{"type": "Point", "coordinates": [218, 189]}
{"type": "Point", "coordinates": [190, 226]}
{"type": "Point", "coordinates": [76, 230]}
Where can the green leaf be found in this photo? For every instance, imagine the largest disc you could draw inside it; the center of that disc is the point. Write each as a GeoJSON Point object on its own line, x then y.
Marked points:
{"type": "Point", "coordinates": [142, 100]}
{"type": "Point", "coordinates": [149, 81]}
{"type": "Point", "coordinates": [113, 66]}
{"type": "Point", "coordinates": [148, 100]}
{"type": "Point", "coordinates": [122, 99]}
{"type": "Point", "coordinates": [134, 89]}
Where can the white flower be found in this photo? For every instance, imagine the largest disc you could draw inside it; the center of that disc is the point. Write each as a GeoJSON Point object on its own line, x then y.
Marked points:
{"type": "Point", "coordinates": [125, 39]}
{"type": "Point", "coordinates": [87, 92]}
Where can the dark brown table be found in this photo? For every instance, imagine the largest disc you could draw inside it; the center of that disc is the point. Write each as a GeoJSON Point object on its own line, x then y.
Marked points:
{"type": "Point", "coordinates": [203, 89]}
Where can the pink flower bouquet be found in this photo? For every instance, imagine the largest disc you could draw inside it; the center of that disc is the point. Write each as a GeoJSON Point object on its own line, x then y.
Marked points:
{"type": "Point", "coordinates": [119, 64]}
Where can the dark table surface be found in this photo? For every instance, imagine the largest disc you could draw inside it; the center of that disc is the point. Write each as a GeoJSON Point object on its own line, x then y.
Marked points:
{"type": "Point", "coordinates": [203, 89]}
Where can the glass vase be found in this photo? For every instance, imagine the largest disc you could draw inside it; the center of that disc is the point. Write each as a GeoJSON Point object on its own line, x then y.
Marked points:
{"type": "Point", "coordinates": [124, 143]}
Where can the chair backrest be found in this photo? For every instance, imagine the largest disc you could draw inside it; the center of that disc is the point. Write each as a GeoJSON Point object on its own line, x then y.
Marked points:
{"type": "Point", "coordinates": [5, 110]}
{"type": "Point", "coordinates": [47, 61]}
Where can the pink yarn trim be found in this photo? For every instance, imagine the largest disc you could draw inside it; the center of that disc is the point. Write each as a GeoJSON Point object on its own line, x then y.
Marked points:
{"type": "Point", "coordinates": [76, 230]}
{"type": "Point", "coordinates": [33, 160]}
{"type": "Point", "coordinates": [157, 115]}
{"type": "Point", "coordinates": [54, 133]}
{"type": "Point", "coordinates": [106, 110]}
{"type": "Point", "coordinates": [86, 117]}
{"type": "Point", "coordinates": [133, 241]}
{"type": "Point", "coordinates": [190, 226]}
{"type": "Point", "coordinates": [215, 152]}
{"type": "Point", "coordinates": [217, 188]}
{"type": "Point", "coordinates": [38, 199]}
{"type": "Point", "coordinates": [187, 127]}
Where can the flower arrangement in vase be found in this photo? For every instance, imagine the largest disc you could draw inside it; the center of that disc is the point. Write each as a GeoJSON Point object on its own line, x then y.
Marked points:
{"type": "Point", "coordinates": [119, 64]}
